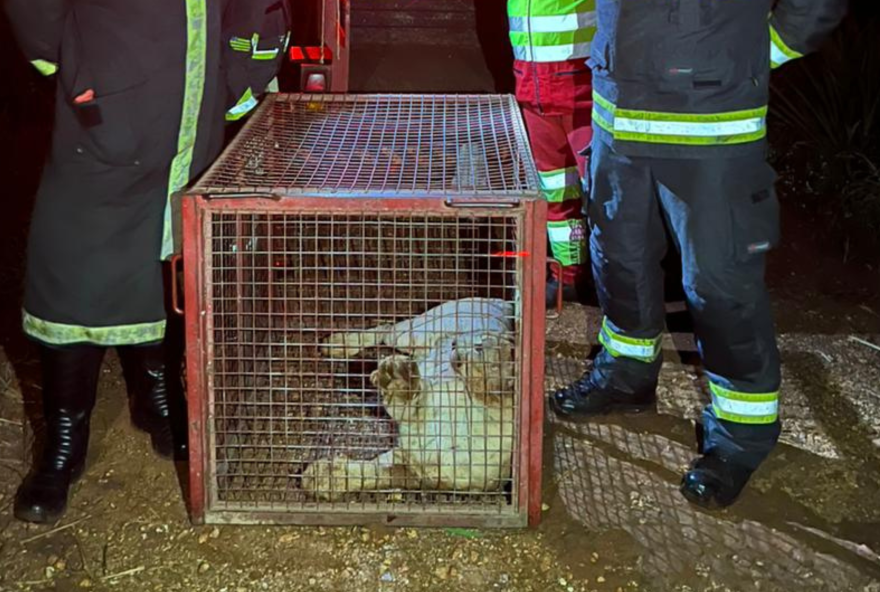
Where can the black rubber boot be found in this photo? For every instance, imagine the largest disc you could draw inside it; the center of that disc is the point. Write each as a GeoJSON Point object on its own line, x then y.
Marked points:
{"type": "Point", "coordinates": [157, 403]}
{"type": "Point", "coordinates": [70, 382]}
{"type": "Point", "coordinates": [714, 482]}
{"type": "Point", "coordinates": [585, 399]}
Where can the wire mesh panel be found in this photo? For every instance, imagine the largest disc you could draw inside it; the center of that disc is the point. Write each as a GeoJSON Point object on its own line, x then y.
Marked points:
{"type": "Point", "coordinates": [358, 359]}
{"type": "Point", "coordinates": [380, 145]}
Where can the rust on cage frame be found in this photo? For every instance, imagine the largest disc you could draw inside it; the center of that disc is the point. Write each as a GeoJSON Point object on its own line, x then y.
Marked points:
{"type": "Point", "coordinates": [290, 426]}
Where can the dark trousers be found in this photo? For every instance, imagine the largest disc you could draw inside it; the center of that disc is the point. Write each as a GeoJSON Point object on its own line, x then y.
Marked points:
{"type": "Point", "coordinates": [723, 216]}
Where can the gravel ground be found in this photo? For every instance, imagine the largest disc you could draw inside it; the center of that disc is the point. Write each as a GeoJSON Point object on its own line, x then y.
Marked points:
{"type": "Point", "coordinates": [613, 518]}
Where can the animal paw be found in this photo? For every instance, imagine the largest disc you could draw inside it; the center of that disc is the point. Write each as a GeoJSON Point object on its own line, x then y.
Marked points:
{"type": "Point", "coordinates": [397, 376]}
{"type": "Point", "coordinates": [343, 345]}
{"type": "Point", "coordinates": [348, 344]}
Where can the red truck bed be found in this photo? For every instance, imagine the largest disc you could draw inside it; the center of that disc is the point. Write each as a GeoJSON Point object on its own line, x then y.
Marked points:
{"type": "Point", "coordinates": [403, 45]}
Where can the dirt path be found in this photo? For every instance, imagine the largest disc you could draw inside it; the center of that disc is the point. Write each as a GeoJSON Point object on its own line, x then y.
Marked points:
{"type": "Point", "coordinates": [613, 521]}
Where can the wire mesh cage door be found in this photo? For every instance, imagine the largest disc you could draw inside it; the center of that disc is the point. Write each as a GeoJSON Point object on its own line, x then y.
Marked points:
{"type": "Point", "coordinates": [358, 361]}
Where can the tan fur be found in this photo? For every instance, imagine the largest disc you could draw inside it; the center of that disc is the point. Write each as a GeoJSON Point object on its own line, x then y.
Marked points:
{"type": "Point", "coordinates": [451, 392]}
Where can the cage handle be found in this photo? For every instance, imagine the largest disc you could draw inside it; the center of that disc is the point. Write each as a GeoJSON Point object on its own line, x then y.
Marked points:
{"type": "Point", "coordinates": [482, 202]}
{"type": "Point", "coordinates": [175, 288]}
{"type": "Point", "coordinates": [556, 267]}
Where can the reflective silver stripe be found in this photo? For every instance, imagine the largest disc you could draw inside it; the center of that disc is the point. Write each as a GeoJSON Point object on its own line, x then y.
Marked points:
{"type": "Point", "coordinates": [568, 241]}
{"type": "Point", "coordinates": [244, 106]}
{"type": "Point", "coordinates": [777, 58]}
{"type": "Point", "coordinates": [559, 232]}
{"type": "Point", "coordinates": [629, 350]}
{"type": "Point", "coordinates": [617, 345]}
{"type": "Point", "coordinates": [632, 351]}
{"type": "Point", "coordinates": [748, 409]}
{"type": "Point", "coordinates": [684, 128]}
{"type": "Point", "coordinates": [553, 24]}
{"type": "Point", "coordinates": [552, 53]}
{"type": "Point", "coordinates": [780, 53]}
{"type": "Point", "coordinates": [560, 179]}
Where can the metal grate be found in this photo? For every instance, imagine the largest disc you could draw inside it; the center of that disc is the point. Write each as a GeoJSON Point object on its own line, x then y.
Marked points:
{"type": "Point", "coordinates": [283, 284]}
{"type": "Point", "coordinates": [379, 144]}
{"type": "Point", "coordinates": [362, 350]}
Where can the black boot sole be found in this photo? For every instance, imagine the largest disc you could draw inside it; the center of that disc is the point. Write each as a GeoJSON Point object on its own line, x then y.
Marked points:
{"type": "Point", "coordinates": [26, 514]}
{"type": "Point", "coordinates": [713, 503]}
{"type": "Point", "coordinates": [615, 408]}
{"type": "Point", "coordinates": [33, 517]}
{"type": "Point", "coordinates": [715, 500]}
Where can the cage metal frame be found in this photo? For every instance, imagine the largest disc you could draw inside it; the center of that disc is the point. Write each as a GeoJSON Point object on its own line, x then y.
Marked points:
{"type": "Point", "coordinates": [204, 201]}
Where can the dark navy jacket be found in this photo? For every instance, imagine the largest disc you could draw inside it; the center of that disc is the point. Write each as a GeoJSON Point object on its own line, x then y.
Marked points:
{"type": "Point", "coordinates": [675, 77]}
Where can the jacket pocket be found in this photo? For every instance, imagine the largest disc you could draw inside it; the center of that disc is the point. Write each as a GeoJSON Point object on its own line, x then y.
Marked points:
{"type": "Point", "coordinates": [754, 213]}
{"type": "Point", "coordinates": [566, 90]}
{"type": "Point", "coordinates": [116, 128]}
{"type": "Point", "coordinates": [573, 72]}
{"type": "Point", "coordinates": [112, 124]}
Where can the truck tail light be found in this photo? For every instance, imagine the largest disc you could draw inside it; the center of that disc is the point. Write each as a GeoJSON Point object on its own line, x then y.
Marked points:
{"type": "Point", "coordinates": [315, 79]}
{"type": "Point", "coordinates": [316, 83]}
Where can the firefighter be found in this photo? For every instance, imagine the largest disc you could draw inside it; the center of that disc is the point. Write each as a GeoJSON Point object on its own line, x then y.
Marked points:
{"type": "Point", "coordinates": [679, 106]}
{"type": "Point", "coordinates": [551, 42]}
{"type": "Point", "coordinates": [144, 89]}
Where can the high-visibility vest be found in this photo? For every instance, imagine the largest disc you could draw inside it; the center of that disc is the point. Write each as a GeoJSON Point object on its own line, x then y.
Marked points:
{"type": "Point", "coordinates": [551, 30]}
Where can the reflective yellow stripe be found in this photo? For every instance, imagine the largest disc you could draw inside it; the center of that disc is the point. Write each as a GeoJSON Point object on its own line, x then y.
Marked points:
{"type": "Point", "coordinates": [45, 68]}
{"type": "Point", "coordinates": [553, 23]}
{"type": "Point", "coordinates": [262, 54]}
{"type": "Point", "coordinates": [240, 44]}
{"type": "Point", "coordinates": [551, 30]}
{"type": "Point", "coordinates": [526, 8]}
{"type": "Point", "coordinates": [245, 105]}
{"type": "Point", "coordinates": [732, 127]}
{"type": "Point", "coordinates": [621, 346]}
{"type": "Point", "coordinates": [561, 185]}
{"type": "Point", "coordinates": [194, 90]}
{"type": "Point", "coordinates": [568, 241]}
{"type": "Point", "coordinates": [61, 334]}
{"type": "Point", "coordinates": [740, 407]}
{"type": "Point", "coordinates": [552, 47]}
{"type": "Point", "coordinates": [780, 52]}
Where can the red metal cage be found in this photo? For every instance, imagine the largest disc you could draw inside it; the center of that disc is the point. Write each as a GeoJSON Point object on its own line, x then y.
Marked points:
{"type": "Point", "coordinates": [364, 280]}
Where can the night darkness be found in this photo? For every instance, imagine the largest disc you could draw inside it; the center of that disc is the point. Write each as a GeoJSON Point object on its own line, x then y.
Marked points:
{"type": "Point", "coordinates": [612, 510]}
